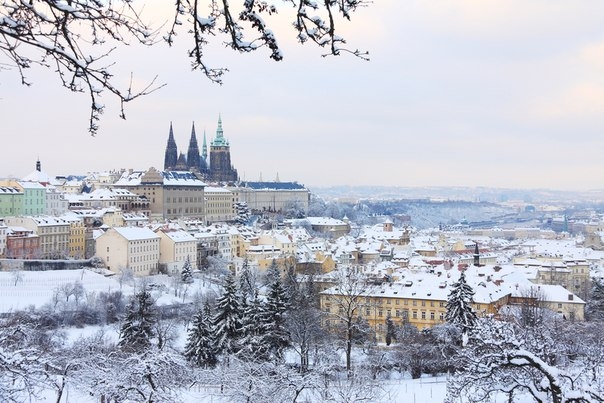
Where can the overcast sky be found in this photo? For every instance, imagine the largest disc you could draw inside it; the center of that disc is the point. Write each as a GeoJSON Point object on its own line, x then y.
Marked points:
{"type": "Point", "coordinates": [457, 93]}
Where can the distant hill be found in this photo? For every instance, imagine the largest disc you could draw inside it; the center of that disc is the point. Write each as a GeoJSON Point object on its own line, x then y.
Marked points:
{"type": "Point", "coordinates": [474, 194]}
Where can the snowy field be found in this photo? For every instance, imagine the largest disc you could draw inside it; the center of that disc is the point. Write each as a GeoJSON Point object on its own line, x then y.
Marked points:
{"type": "Point", "coordinates": [24, 289]}
{"type": "Point", "coordinates": [425, 390]}
{"type": "Point", "coordinates": [20, 290]}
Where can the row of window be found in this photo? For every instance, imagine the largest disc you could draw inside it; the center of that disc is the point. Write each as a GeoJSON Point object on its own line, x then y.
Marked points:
{"type": "Point", "coordinates": [144, 258]}
{"type": "Point", "coordinates": [397, 301]}
{"type": "Point", "coordinates": [192, 210]}
{"type": "Point", "coordinates": [197, 199]}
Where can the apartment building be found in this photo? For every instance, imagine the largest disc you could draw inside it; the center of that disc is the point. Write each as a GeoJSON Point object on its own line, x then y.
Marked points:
{"type": "Point", "coordinates": [53, 232]}
{"type": "Point", "coordinates": [133, 248]}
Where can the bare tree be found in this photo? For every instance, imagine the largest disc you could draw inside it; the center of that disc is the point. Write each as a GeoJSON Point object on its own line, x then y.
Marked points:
{"type": "Point", "coordinates": [343, 304]}
{"type": "Point", "coordinates": [17, 276]}
{"type": "Point", "coordinates": [77, 37]}
{"type": "Point", "coordinates": [304, 319]}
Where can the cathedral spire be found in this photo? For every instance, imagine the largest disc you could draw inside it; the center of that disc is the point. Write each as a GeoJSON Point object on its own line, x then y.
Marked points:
{"type": "Point", "coordinates": [193, 162]}
{"type": "Point", "coordinates": [171, 155]}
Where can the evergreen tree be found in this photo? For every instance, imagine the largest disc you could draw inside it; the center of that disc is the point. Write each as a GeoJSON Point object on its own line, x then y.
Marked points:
{"type": "Point", "coordinates": [274, 315]}
{"type": "Point", "coordinates": [390, 330]}
{"type": "Point", "coordinates": [200, 348]}
{"type": "Point", "coordinates": [459, 307]}
{"type": "Point", "coordinates": [227, 320]}
{"type": "Point", "coordinates": [141, 317]}
{"type": "Point", "coordinates": [186, 274]}
{"type": "Point", "coordinates": [254, 344]}
{"type": "Point", "coordinates": [594, 308]}
{"type": "Point", "coordinates": [272, 273]}
{"type": "Point", "coordinates": [247, 282]}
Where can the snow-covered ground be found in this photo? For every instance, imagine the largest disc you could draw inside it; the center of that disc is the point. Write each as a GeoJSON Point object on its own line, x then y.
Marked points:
{"type": "Point", "coordinates": [24, 289]}
{"type": "Point", "coordinates": [20, 290]}
{"type": "Point", "coordinates": [424, 390]}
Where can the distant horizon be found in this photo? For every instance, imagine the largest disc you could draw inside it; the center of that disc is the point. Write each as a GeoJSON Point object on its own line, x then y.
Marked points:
{"type": "Point", "coordinates": [356, 187]}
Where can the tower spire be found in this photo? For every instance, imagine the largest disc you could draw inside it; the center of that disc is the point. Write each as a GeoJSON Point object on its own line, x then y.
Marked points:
{"type": "Point", "coordinates": [219, 131]}
{"type": "Point", "coordinates": [219, 140]}
{"type": "Point", "coordinates": [171, 155]}
{"type": "Point", "coordinates": [193, 162]}
{"type": "Point", "coordinates": [204, 147]}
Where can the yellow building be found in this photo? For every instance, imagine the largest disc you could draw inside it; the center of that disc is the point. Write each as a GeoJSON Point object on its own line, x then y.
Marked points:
{"type": "Point", "coordinates": [176, 246]}
{"type": "Point", "coordinates": [77, 237]}
{"type": "Point", "coordinates": [417, 300]}
{"type": "Point", "coordinates": [219, 205]}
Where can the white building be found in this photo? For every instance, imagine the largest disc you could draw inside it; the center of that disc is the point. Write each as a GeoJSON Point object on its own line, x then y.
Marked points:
{"type": "Point", "coordinates": [132, 248]}
{"type": "Point", "coordinates": [176, 246]}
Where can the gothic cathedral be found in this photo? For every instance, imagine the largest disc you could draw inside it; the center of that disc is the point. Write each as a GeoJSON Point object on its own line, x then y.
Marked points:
{"type": "Point", "coordinates": [219, 168]}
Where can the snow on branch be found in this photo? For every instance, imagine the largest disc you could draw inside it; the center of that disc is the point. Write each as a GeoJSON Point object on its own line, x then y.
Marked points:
{"type": "Point", "coordinates": [77, 38]}
{"type": "Point", "coordinates": [60, 34]}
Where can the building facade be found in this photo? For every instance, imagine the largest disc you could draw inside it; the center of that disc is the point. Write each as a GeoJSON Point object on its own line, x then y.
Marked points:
{"type": "Point", "coordinates": [219, 205]}
{"type": "Point", "coordinates": [176, 246]}
{"type": "Point", "coordinates": [171, 194]}
{"type": "Point", "coordinates": [11, 201]}
{"type": "Point", "coordinates": [132, 248]}
{"type": "Point", "coordinates": [53, 232]}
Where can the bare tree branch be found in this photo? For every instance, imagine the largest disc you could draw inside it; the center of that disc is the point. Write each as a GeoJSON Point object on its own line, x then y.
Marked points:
{"type": "Point", "coordinates": [77, 37]}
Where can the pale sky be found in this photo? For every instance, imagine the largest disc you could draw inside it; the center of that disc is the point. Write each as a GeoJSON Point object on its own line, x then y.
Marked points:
{"type": "Point", "coordinates": [457, 93]}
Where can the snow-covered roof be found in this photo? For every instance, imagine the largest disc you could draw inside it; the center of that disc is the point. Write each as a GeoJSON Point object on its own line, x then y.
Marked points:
{"type": "Point", "coordinates": [44, 221]}
{"type": "Point", "coordinates": [40, 177]}
{"type": "Point", "coordinates": [10, 190]}
{"type": "Point", "coordinates": [169, 178]}
{"type": "Point", "coordinates": [214, 189]}
{"type": "Point", "coordinates": [324, 221]}
{"type": "Point", "coordinates": [181, 178]}
{"type": "Point", "coordinates": [179, 236]}
{"type": "Point", "coordinates": [424, 286]}
{"type": "Point", "coordinates": [31, 185]}
{"type": "Point", "coordinates": [136, 233]}
{"type": "Point", "coordinates": [547, 292]}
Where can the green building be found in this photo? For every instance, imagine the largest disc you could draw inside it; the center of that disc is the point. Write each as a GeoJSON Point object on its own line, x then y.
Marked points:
{"type": "Point", "coordinates": [11, 201]}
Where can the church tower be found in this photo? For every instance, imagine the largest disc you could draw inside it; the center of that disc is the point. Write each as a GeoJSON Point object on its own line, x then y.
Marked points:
{"type": "Point", "coordinates": [193, 160]}
{"type": "Point", "coordinates": [221, 169]}
{"type": "Point", "coordinates": [171, 156]}
{"type": "Point", "coordinates": [476, 255]}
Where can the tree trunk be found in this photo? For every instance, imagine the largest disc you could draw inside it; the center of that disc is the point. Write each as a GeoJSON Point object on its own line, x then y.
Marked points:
{"type": "Point", "coordinates": [348, 348]}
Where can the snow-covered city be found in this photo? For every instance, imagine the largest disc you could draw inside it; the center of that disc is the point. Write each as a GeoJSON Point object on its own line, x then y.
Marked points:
{"type": "Point", "coordinates": [185, 284]}
{"type": "Point", "coordinates": [338, 201]}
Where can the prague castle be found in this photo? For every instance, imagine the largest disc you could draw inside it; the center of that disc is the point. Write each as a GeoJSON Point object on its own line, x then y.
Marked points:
{"type": "Point", "coordinates": [217, 169]}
